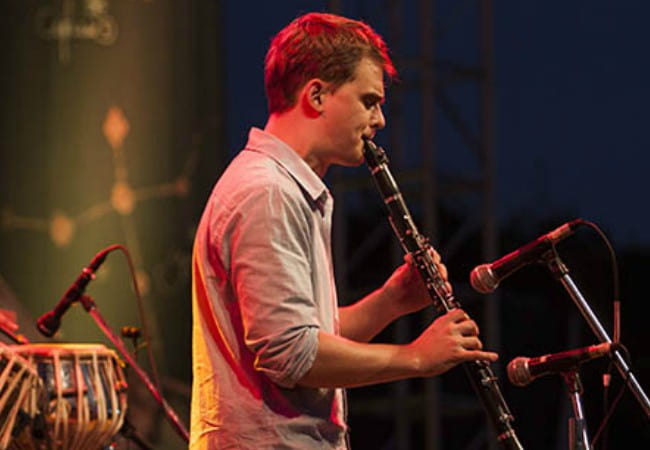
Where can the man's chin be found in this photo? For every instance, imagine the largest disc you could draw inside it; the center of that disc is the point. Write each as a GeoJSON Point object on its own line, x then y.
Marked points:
{"type": "Point", "coordinates": [352, 158]}
{"type": "Point", "coordinates": [358, 157]}
{"type": "Point", "coordinates": [354, 162]}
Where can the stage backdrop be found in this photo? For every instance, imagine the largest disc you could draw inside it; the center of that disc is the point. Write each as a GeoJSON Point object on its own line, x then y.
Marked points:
{"type": "Point", "coordinates": [110, 132]}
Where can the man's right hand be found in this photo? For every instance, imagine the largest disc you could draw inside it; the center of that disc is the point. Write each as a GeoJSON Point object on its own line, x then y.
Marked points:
{"type": "Point", "coordinates": [451, 339]}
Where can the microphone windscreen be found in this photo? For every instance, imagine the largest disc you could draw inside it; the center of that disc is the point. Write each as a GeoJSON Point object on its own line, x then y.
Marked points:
{"type": "Point", "coordinates": [518, 372]}
{"type": "Point", "coordinates": [483, 280]}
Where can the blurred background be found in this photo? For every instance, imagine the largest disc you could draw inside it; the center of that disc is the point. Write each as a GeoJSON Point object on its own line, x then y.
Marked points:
{"type": "Point", "coordinates": [509, 119]}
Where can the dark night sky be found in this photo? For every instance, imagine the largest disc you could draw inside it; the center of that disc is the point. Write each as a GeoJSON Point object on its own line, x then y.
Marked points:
{"type": "Point", "coordinates": [571, 96]}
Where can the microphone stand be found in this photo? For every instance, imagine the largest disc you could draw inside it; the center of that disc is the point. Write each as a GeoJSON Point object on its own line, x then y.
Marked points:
{"type": "Point", "coordinates": [90, 307]}
{"type": "Point", "coordinates": [561, 272]}
{"type": "Point", "coordinates": [578, 439]}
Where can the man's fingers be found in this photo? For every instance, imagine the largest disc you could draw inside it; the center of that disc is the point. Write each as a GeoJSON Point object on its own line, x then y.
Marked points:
{"type": "Point", "coordinates": [474, 355]}
{"type": "Point", "coordinates": [434, 255]}
{"type": "Point", "coordinates": [456, 315]}
{"type": "Point", "coordinates": [471, 343]}
{"type": "Point", "coordinates": [443, 271]}
{"type": "Point", "coordinates": [468, 328]}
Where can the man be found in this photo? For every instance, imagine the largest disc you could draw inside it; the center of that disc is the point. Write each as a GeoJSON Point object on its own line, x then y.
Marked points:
{"type": "Point", "coordinates": [271, 349]}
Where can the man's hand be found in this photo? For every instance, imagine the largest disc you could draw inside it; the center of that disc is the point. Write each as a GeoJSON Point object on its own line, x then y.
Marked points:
{"type": "Point", "coordinates": [406, 288]}
{"type": "Point", "coordinates": [448, 341]}
{"type": "Point", "coordinates": [451, 339]}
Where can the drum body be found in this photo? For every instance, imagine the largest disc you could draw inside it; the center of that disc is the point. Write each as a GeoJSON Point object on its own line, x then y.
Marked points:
{"type": "Point", "coordinates": [84, 396]}
{"type": "Point", "coordinates": [19, 388]}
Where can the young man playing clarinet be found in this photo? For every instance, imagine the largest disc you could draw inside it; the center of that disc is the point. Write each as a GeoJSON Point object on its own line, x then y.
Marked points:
{"type": "Point", "coordinates": [272, 351]}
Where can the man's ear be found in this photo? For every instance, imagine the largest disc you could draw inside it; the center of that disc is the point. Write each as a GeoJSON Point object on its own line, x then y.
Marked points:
{"type": "Point", "coordinates": [312, 97]}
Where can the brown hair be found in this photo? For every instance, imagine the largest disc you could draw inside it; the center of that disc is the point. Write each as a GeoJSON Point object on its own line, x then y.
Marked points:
{"type": "Point", "coordinates": [319, 45]}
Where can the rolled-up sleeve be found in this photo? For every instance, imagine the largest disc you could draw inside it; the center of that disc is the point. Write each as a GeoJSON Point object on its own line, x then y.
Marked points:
{"type": "Point", "coordinates": [271, 273]}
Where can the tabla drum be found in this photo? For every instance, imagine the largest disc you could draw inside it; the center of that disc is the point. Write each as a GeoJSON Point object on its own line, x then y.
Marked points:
{"type": "Point", "coordinates": [84, 400]}
{"type": "Point", "coordinates": [19, 390]}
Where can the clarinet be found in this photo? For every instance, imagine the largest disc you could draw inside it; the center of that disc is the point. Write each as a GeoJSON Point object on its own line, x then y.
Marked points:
{"type": "Point", "coordinates": [485, 383]}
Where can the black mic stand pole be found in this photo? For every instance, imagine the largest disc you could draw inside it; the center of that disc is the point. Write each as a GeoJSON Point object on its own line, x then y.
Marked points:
{"type": "Point", "coordinates": [90, 306]}
{"type": "Point", "coordinates": [578, 439]}
{"type": "Point", "coordinates": [561, 272]}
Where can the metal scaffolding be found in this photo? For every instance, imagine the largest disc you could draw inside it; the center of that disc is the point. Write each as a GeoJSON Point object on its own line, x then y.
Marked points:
{"type": "Point", "coordinates": [444, 52]}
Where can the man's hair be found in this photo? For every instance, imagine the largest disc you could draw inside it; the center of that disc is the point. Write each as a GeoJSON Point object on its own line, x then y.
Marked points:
{"type": "Point", "coordinates": [319, 45]}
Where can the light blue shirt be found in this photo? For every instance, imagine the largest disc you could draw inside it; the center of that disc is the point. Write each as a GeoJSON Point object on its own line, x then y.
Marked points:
{"type": "Point", "coordinates": [263, 286]}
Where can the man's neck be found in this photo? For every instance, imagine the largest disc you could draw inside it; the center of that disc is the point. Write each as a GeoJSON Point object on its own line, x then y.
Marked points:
{"type": "Point", "coordinates": [293, 131]}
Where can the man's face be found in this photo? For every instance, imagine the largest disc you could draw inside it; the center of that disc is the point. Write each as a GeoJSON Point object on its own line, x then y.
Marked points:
{"type": "Point", "coordinates": [351, 112]}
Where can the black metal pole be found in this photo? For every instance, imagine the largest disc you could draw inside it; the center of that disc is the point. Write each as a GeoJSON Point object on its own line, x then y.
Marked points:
{"type": "Point", "coordinates": [561, 272]}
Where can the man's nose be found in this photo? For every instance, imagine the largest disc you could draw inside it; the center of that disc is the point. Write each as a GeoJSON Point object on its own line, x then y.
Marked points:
{"type": "Point", "coordinates": [378, 119]}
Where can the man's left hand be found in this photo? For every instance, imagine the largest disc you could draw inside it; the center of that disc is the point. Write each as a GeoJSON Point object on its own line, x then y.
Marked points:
{"type": "Point", "coordinates": [406, 288]}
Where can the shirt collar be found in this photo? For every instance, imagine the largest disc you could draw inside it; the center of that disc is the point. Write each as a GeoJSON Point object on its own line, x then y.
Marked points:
{"type": "Point", "coordinates": [263, 142]}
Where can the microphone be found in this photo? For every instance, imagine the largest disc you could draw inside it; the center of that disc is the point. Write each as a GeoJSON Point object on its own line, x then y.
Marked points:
{"type": "Point", "coordinates": [49, 323]}
{"type": "Point", "coordinates": [486, 277]}
{"type": "Point", "coordinates": [522, 370]}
